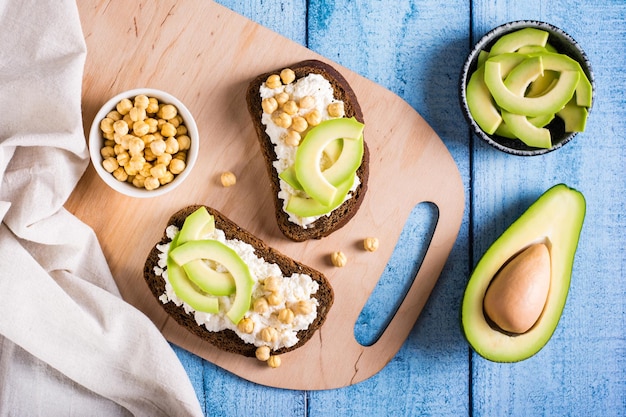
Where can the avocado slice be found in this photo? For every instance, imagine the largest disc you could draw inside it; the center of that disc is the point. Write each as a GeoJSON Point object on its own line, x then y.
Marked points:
{"type": "Point", "coordinates": [480, 104]}
{"type": "Point", "coordinates": [574, 116]}
{"type": "Point", "coordinates": [219, 252]}
{"type": "Point", "coordinates": [537, 121]}
{"type": "Point", "coordinates": [309, 207]}
{"type": "Point", "coordinates": [556, 220]}
{"type": "Point", "coordinates": [509, 94]}
{"type": "Point", "coordinates": [513, 41]}
{"type": "Point", "coordinates": [289, 176]}
{"type": "Point", "coordinates": [322, 186]}
{"type": "Point", "coordinates": [524, 130]}
{"type": "Point", "coordinates": [208, 279]}
{"type": "Point", "coordinates": [186, 289]}
{"type": "Point", "coordinates": [197, 225]}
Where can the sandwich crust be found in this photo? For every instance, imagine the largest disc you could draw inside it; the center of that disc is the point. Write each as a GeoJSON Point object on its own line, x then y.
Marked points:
{"type": "Point", "coordinates": [227, 339]}
{"type": "Point", "coordinates": [325, 225]}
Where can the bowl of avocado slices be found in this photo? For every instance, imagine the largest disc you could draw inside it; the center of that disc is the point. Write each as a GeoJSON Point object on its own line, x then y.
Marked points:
{"type": "Point", "coordinates": [526, 88]}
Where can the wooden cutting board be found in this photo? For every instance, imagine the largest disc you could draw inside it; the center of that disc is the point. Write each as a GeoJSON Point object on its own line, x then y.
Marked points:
{"type": "Point", "coordinates": [205, 55]}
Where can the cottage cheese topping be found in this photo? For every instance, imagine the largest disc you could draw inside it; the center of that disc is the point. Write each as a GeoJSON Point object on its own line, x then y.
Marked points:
{"type": "Point", "coordinates": [291, 290]}
{"type": "Point", "coordinates": [313, 85]}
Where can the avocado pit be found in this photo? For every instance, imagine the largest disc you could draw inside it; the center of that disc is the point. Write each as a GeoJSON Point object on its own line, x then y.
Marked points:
{"type": "Point", "coordinates": [518, 293]}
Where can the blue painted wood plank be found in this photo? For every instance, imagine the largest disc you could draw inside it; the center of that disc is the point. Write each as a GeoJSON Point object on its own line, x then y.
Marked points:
{"type": "Point", "coordinates": [582, 369]}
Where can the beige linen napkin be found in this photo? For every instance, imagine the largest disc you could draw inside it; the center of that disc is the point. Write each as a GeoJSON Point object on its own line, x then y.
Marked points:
{"type": "Point", "coordinates": [69, 345]}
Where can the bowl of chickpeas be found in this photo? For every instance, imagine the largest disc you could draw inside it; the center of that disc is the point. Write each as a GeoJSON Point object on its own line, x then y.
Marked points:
{"type": "Point", "coordinates": [143, 142]}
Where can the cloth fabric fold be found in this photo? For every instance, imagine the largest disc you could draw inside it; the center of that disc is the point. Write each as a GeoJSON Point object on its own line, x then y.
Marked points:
{"type": "Point", "coordinates": [69, 345]}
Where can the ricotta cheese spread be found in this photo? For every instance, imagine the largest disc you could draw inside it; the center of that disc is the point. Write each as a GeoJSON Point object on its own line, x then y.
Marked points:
{"type": "Point", "coordinates": [318, 87]}
{"type": "Point", "coordinates": [290, 290]}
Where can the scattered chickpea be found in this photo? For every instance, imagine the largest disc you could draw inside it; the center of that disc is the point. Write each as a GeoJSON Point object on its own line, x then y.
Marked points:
{"type": "Point", "coordinates": [281, 119]}
{"type": "Point", "coordinates": [260, 305]}
{"type": "Point", "coordinates": [271, 284]}
{"type": "Point", "coordinates": [228, 179]}
{"type": "Point", "coordinates": [286, 316]}
{"type": "Point", "coordinates": [313, 118]}
{"type": "Point", "coordinates": [262, 353]}
{"type": "Point", "coordinates": [269, 105]}
{"type": "Point", "coordinates": [273, 81]}
{"type": "Point", "coordinates": [302, 307]}
{"type": "Point", "coordinates": [299, 124]}
{"type": "Point", "coordinates": [281, 98]}
{"type": "Point", "coordinates": [245, 325]}
{"type": "Point", "coordinates": [290, 107]}
{"type": "Point", "coordinates": [274, 361]}
{"type": "Point", "coordinates": [292, 138]}
{"type": "Point", "coordinates": [268, 334]}
{"type": "Point", "coordinates": [287, 76]}
{"type": "Point", "coordinates": [370, 244]}
{"type": "Point", "coordinates": [336, 109]}
{"type": "Point", "coordinates": [338, 259]}
{"type": "Point", "coordinates": [274, 299]}
{"type": "Point", "coordinates": [306, 102]}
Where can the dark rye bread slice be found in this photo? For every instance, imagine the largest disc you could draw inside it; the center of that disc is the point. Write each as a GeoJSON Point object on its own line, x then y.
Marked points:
{"type": "Point", "coordinates": [227, 339]}
{"type": "Point", "coordinates": [325, 225]}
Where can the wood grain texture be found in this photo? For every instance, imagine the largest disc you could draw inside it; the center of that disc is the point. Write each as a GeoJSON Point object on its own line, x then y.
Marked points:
{"type": "Point", "coordinates": [215, 94]}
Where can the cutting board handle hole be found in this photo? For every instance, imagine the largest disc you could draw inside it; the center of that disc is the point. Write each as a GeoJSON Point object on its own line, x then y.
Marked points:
{"type": "Point", "coordinates": [394, 283]}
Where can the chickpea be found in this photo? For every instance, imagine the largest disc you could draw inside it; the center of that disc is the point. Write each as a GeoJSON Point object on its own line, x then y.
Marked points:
{"type": "Point", "coordinates": [287, 76]}
{"type": "Point", "coordinates": [338, 259]}
{"type": "Point", "coordinates": [184, 142]}
{"type": "Point", "coordinates": [262, 353]}
{"type": "Point", "coordinates": [123, 158]}
{"type": "Point", "coordinates": [299, 124]}
{"type": "Point", "coordinates": [168, 130]}
{"type": "Point", "coordinates": [290, 107]}
{"type": "Point", "coordinates": [107, 152]}
{"type": "Point", "coordinates": [153, 106]}
{"type": "Point", "coordinates": [139, 181]}
{"type": "Point", "coordinates": [158, 147]}
{"type": "Point", "coordinates": [110, 164]}
{"type": "Point", "coordinates": [271, 284]}
{"type": "Point", "coordinates": [167, 111]}
{"type": "Point", "coordinates": [269, 105]}
{"type": "Point", "coordinates": [281, 98]}
{"type": "Point", "coordinates": [120, 127]}
{"type": "Point", "coordinates": [106, 125]}
{"type": "Point", "coordinates": [136, 146]}
{"type": "Point", "coordinates": [141, 128]}
{"type": "Point", "coordinates": [120, 174]}
{"type": "Point", "coordinates": [181, 130]}
{"type": "Point", "coordinates": [164, 159]}
{"type": "Point", "coordinates": [158, 170]}
{"type": "Point", "coordinates": [292, 138]}
{"type": "Point", "coordinates": [167, 178]}
{"type": "Point", "coordinates": [115, 115]}
{"type": "Point", "coordinates": [306, 102]}
{"type": "Point", "coordinates": [142, 101]}
{"type": "Point", "coordinates": [274, 299]}
{"type": "Point", "coordinates": [281, 119]}
{"type": "Point", "coordinates": [260, 305]}
{"type": "Point", "coordinates": [303, 307]}
{"type": "Point", "coordinates": [137, 113]}
{"type": "Point", "coordinates": [151, 183]}
{"type": "Point", "coordinates": [268, 334]}
{"type": "Point", "coordinates": [274, 361]}
{"type": "Point", "coordinates": [273, 81]}
{"type": "Point", "coordinates": [228, 179]}
{"type": "Point", "coordinates": [177, 166]}
{"type": "Point", "coordinates": [370, 244]}
{"type": "Point", "coordinates": [136, 162]}
{"type": "Point", "coordinates": [286, 316]}
{"type": "Point", "coordinates": [336, 109]}
{"type": "Point", "coordinates": [124, 106]}
{"type": "Point", "coordinates": [171, 145]}
{"type": "Point", "coordinates": [153, 123]}
{"type": "Point", "coordinates": [313, 117]}
{"type": "Point", "coordinates": [245, 325]}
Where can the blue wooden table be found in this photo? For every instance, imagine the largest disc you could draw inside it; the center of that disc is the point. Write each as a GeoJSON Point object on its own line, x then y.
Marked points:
{"type": "Point", "coordinates": [416, 48]}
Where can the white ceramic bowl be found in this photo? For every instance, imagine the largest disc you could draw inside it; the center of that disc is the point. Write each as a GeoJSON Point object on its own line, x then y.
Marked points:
{"type": "Point", "coordinates": [564, 44]}
{"type": "Point", "coordinates": [96, 142]}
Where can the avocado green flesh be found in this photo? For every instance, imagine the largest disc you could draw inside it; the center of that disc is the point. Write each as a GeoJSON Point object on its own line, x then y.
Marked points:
{"type": "Point", "coordinates": [511, 42]}
{"type": "Point", "coordinates": [198, 224]}
{"type": "Point", "coordinates": [574, 117]}
{"type": "Point", "coordinates": [524, 130]}
{"type": "Point", "coordinates": [309, 207]}
{"type": "Point", "coordinates": [322, 185]}
{"type": "Point", "coordinates": [509, 94]}
{"type": "Point", "coordinates": [219, 252]}
{"type": "Point", "coordinates": [555, 219]}
{"type": "Point", "coordinates": [208, 279]}
{"type": "Point", "coordinates": [480, 103]}
{"type": "Point", "coordinates": [185, 289]}
{"type": "Point", "coordinates": [537, 121]}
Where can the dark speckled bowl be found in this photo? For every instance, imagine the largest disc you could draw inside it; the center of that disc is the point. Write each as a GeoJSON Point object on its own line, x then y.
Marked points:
{"type": "Point", "coordinates": [564, 43]}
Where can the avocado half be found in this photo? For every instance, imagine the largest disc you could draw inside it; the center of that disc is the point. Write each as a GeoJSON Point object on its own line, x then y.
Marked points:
{"type": "Point", "coordinates": [555, 219]}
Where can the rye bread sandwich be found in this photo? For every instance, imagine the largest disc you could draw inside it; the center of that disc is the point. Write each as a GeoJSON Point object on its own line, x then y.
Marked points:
{"type": "Point", "coordinates": [231, 289]}
{"type": "Point", "coordinates": [318, 177]}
